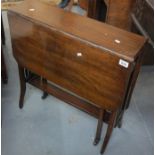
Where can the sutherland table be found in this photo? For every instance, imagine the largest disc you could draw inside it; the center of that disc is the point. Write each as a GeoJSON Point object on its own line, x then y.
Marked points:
{"type": "Point", "coordinates": [90, 64]}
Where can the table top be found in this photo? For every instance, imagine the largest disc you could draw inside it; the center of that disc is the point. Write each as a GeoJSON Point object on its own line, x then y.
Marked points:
{"type": "Point", "coordinates": [6, 4]}
{"type": "Point", "coordinates": [124, 44]}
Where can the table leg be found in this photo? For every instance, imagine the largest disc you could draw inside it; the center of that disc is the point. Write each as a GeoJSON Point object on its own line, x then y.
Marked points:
{"type": "Point", "coordinates": [45, 94]}
{"type": "Point", "coordinates": [2, 31]}
{"type": "Point", "coordinates": [99, 127]}
{"type": "Point", "coordinates": [4, 74]}
{"type": "Point", "coordinates": [109, 131]}
{"type": "Point", "coordinates": [22, 86]}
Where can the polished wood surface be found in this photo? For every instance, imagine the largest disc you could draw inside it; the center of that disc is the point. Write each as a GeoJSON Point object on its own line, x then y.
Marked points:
{"type": "Point", "coordinates": [83, 4]}
{"type": "Point", "coordinates": [58, 62]}
{"type": "Point", "coordinates": [83, 29]}
{"type": "Point", "coordinates": [99, 127]}
{"type": "Point", "coordinates": [113, 12]}
{"type": "Point", "coordinates": [118, 13]}
{"type": "Point", "coordinates": [109, 131]}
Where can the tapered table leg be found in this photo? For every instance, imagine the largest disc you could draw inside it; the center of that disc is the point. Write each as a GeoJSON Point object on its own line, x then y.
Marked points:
{"type": "Point", "coordinates": [109, 131]}
{"type": "Point", "coordinates": [3, 68]}
{"type": "Point", "coordinates": [2, 31]}
{"type": "Point", "coordinates": [45, 94]}
{"type": "Point", "coordinates": [99, 127]}
{"type": "Point", "coordinates": [22, 86]}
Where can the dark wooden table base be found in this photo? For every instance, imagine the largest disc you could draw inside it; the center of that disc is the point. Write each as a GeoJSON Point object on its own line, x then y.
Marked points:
{"type": "Point", "coordinates": [43, 84]}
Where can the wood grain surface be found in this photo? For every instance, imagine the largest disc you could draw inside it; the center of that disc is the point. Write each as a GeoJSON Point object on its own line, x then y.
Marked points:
{"type": "Point", "coordinates": [94, 32]}
{"type": "Point", "coordinates": [72, 55]}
